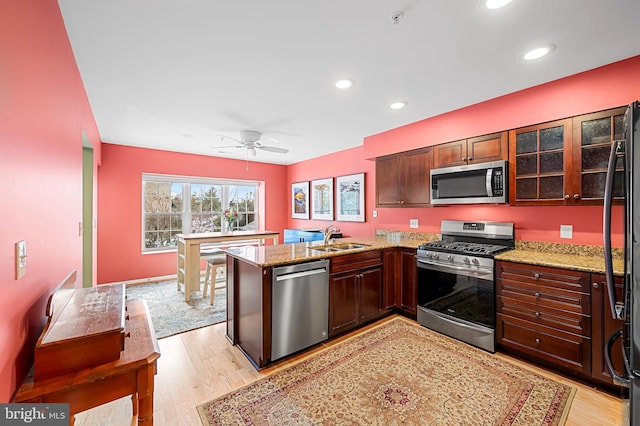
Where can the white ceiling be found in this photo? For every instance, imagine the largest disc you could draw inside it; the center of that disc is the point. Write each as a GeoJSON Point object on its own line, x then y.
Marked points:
{"type": "Point", "coordinates": [173, 75]}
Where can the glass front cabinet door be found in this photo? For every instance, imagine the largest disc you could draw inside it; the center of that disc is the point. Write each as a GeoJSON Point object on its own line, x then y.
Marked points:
{"type": "Point", "coordinates": [540, 156]}
{"type": "Point", "coordinates": [593, 135]}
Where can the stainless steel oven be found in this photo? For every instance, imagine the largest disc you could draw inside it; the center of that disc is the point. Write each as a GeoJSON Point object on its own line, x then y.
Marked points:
{"type": "Point", "coordinates": [455, 276]}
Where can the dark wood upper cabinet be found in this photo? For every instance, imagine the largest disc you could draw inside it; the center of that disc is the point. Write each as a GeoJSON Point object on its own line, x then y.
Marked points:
{"type": "Point", "coordinates": [480, 149]}
{"type": "Point", "coordinates": [539, 157]}
{"type": "Point", "coordinates": [592, 138]}
{"type": "Point", "coordinates": [564, 162]}
{"type": "Point", "coordinates": [402, 180]}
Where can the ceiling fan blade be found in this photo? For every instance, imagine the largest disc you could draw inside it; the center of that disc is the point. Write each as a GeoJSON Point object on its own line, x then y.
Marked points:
{"type": "Point", "coordinates": [273, 149]}
{"type": "Point", "coordinates": [228, 146]}
{"type": "Point", "coordinates": [222, 138]}
{"type": "Point", "coordinates": [270, 139]}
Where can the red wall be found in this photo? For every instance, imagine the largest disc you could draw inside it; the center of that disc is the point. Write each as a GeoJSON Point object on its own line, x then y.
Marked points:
{"type": "Point", "coordinates": [120, 255]}
{"type": "Point", "coordinates": [602, 88]}
{"type": "Point", "coordinates": [43, 110]}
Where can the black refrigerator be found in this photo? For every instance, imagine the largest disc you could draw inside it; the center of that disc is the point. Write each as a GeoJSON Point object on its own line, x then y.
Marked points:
{"type": "Point", "coordinates": [624, 169]}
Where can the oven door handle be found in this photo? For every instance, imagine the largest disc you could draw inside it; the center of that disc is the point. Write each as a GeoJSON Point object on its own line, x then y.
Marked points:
{"type": "Point", "coordinates": [488, 274]}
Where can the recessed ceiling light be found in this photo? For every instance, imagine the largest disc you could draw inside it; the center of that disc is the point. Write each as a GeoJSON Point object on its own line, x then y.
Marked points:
{"type": "Point", "coordinates": [538, 52]}
{"type": "Point", "coordinates": [398, 105]}
{"type": "Point", "coordinates": [345, 83]}
{"type": "Point", "coordinates": [496, 4]}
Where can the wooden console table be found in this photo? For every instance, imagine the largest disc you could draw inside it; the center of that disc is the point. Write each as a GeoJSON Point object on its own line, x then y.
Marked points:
{"type": "Point", "coordinates": [189, 253]}
{"type": "Point", "coordinates": [131, 374]}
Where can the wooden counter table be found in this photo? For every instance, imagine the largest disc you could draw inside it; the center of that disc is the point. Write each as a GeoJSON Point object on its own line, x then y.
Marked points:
{"type": "Point", "coordinates": [132, 374]}
{"type": "Point", "coordinates": [189, 253]}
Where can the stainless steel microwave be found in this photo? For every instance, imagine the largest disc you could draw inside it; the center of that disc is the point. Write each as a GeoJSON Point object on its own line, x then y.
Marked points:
{"type": "Point", "coordinates": [481, 183]}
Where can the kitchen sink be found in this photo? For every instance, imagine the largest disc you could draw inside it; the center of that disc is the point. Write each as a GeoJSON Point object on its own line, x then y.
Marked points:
{"type": "Point", "coordinates": [340, 247]}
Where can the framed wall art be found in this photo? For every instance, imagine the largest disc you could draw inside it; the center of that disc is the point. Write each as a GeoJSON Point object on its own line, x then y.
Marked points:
{"type": "Point", "coordinates": [322, 199]}
{"type": "Point", "coordinates": [350, 198]}
{"type": "Point", "coordinates": [300, 200]}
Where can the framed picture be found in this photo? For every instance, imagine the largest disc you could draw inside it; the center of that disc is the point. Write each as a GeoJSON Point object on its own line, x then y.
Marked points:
{"type": "Point", "coordinates": [300, 200]}
{"type": "Point", "coordinates": [322, 199]}
{"type": "Point", "coordinates": [350, 198]}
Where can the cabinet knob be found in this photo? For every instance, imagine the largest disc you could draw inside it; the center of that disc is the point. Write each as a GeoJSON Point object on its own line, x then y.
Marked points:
{"type": "Point", "coordinates": [469, 159]}
{"type": "Point", "coordinates": [464, 158]}
{"type": "Point", "coordinates": [576, 196]}
{"type": "Point", "coordinates": [566, 197]}
{"type": "Point", "coordinates": [595, 285]}
{"type": "Point", "coordinates": [536, 276]}
{"type": "Point", "coordinates": [537, 341]}
{"type": "Point", "coordinates": [537, 314]}
{"type": "Point", "coordinates": [536, 294]}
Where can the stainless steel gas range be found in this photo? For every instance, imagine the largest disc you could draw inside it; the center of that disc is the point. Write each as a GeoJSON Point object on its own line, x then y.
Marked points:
{"type": "Point", "coordinates": [455, 278]}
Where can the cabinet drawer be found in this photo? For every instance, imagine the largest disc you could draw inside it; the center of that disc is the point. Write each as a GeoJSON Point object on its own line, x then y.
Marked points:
{"type": "Point", "coordinates": [543, 297]}
{"type": "Point", "coordinates": [539, 313]}
{"type": "Point", "coordinates": [349, 262]}
{"type": "Point", "coordinates": [540, 277]}
{"type": "Point", "coordinates": [558, 347]}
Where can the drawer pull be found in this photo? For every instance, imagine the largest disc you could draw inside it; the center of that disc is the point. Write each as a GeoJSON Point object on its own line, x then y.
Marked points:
{"type": "Point", "coordinates": [536, 276]}
{"type": "Point", "coordinates": [537, 341]}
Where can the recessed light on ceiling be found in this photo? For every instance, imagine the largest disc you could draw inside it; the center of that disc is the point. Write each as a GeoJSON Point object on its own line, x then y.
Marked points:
{"type": "Point", "coordinates": [345, 83]}
{"type": "Point", "coordinates": [398, 105]}
{"type": "Point", "coordinates": [538, 52]}
{"type": "Point", "coordinates": [496, 4]}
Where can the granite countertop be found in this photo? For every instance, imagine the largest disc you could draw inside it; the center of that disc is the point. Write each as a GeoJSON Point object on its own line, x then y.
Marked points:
{"type": "Point", "coordinates": [284, 254]}
{"type": "Point", "coordinates": [567, 256]}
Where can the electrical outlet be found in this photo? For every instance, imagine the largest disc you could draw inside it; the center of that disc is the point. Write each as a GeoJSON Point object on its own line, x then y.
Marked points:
{"type": "Point", "coordinates": [413, 223]}
{"type": "Point", "coordinates": [566, 231]}
{"type": "Point", "coordinates": [21, 259]}
{"type": "Point", "coordinates": [375, 213]}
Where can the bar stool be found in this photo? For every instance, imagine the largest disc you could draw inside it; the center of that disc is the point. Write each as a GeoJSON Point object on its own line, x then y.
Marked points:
{"type": "Point", "coordinates": [215, 262]}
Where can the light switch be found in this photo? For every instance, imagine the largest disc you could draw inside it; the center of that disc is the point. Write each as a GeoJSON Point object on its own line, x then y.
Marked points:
{"type": "Point", "coordinates": [566, 231]}
{"type": "Point", "coordinates": [413, 223]}
{"type": "Point", "coordinates": [21, 259]}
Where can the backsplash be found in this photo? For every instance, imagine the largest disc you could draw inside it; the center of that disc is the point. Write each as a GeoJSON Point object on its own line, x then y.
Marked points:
{"type": "Point", "coordinates": [560, 248]}
{"type": "Point", "coordinates": [418, 236]}
{"type": "Point", "coordinates": [537, 246]}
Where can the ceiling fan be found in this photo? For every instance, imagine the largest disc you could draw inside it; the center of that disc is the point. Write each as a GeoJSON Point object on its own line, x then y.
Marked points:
{"type": "Point", "coordinates": [252, 140]}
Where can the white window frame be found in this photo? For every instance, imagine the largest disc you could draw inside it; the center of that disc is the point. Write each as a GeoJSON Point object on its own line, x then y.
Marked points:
{"type": "Point", "coordinates": [186, 182]}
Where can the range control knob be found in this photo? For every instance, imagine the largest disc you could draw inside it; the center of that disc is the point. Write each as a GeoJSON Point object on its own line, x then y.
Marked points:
{"type": "Point", "coordinates": [449, 257]}
{"type": "Point", "coordinates": [466, 260]}
{"type": "Point", "coordinates": [475, 262]}
{"type": "Point", "coordinates": [434, 255]}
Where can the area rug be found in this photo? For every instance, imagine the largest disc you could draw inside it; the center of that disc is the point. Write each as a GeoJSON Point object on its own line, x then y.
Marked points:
{"type": "Point", "coordinates": [169, 312]}
{"type": "Point", "coordinates": [396, 373]}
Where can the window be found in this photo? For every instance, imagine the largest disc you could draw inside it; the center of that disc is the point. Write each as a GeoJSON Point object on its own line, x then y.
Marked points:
{"type": "Point", "coordinates": [181, 205]}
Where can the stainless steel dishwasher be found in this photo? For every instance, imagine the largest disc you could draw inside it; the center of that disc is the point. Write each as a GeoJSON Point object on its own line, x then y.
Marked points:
{"type": "Point", "coordinates": [299, 307]}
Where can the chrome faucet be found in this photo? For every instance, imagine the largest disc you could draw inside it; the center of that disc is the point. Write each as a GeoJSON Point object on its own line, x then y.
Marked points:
{"type": "Point", "coordinates": [328, 231]}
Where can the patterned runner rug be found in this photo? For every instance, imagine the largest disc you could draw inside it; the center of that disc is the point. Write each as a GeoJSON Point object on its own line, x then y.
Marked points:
{"type": "Point", "coordinates": [169, 312]}
{"type": "Point", "coordinates": [396, 373]}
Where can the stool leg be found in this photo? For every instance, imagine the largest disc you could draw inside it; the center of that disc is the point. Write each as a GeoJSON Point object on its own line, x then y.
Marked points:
{"type": "Point", "coordinates": [207, 276]}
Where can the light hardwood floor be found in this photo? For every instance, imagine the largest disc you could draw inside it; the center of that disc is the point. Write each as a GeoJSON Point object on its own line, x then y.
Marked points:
{"type": "Point", "coordinates": [201, 365]}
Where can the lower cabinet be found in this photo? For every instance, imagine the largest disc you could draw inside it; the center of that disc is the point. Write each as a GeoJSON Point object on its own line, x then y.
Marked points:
{"type": "Point", "coordinates": [406, 287]}
{"type": "Point", "coordinates": [355, 291]}
{"type": "Point", "coordinates": [603, 327]}
{"type": "Point", "coordinates": [559, 318]}
{"type": "Point", "coordinates": [545, 314]}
